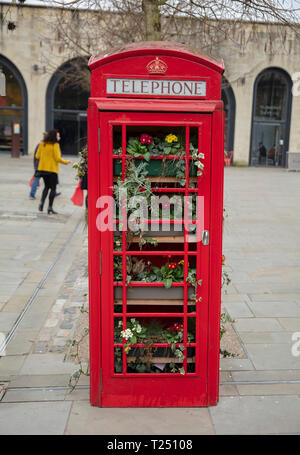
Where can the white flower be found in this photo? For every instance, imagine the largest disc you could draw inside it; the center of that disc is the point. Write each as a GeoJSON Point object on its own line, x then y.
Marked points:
{"type": "Point", "coordinates": [132, 320]}
{"type": "Point", "coordinates": [126, 334]}
{"type": "Point", "coordinates": [139, 328]}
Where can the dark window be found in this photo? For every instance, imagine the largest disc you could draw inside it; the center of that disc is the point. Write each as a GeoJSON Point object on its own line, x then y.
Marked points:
{"type": "Point", "coordinates": [67, 102]}
{"type": "Point", "coordinates": [13, 108]}
{"type": "Point", "coordinates": [70, 97]}
{"type": "Point", "coordinates": [271, 97]}
{"type": "Point", "coordinates": [271, 118]}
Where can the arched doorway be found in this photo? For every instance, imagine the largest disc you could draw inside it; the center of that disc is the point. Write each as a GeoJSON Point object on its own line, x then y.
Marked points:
{"type": "Point", "coordinates": [271, 113]}
{"type": "Point", "coordinates": [228, 99]}
{"type": "Point", "coordinates": [66, 104]}
{"type": "Point", "coordinates": [13, 108]}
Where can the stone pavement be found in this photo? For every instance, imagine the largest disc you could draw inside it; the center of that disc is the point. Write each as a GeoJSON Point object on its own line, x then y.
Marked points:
{"type": "Point", "coordinates": [44, 284]}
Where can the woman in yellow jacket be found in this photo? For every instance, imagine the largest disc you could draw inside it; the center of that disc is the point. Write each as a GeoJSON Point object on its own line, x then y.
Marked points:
{"type": "Point", "coordinates": [49, 157]}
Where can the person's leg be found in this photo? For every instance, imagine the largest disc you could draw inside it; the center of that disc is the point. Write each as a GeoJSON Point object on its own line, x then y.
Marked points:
{"type": "Point", "coordinates": [53, 182]}
{"type": "Point", "coordinates": [44, 193]}
{"type": "Point", "coordinates": [34, 186]}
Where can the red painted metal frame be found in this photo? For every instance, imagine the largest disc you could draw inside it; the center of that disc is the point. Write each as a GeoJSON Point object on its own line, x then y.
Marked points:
{"type": "Point", "coordinates": [115, 394]}
{"type": "Point", "coordinates": [93, 263]}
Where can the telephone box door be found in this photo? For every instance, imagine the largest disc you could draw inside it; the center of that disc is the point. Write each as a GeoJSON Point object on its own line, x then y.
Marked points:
{"type": "Point", "coordinates": [154, 286]}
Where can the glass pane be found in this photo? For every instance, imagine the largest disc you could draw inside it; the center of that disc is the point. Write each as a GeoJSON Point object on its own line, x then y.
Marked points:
{"type": "Point", "coordinates": [267, 145]}
{"type": "Point", "coordinates": [70, 97]}
{"type": "Point", "coordinates": [118, 358]}
{"type": "Point", "coordinates": [155, 360]}
{"type": "Point", "coordinates": [13, 90]}
{"type": "Point", "coordinates": [73, 131]}
{"type": "Point", "coordinates": [271, 96]}
{"type": "Point", "coordinates": [7, 119]}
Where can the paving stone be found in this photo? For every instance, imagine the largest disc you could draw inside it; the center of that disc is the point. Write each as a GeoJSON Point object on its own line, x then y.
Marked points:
{"type": "Point", "coordinates": [10, 365]}
{"type": "Point", "coordinates": [65, 333]}
{"type": "Point", "coordinates": [238, 310]}
{"type": "Point", "coordinates": [34, 418]}
{"type": "Point", "coordinates": [57, 349]}
{"type": "Point", "coordinates": [229, 364]}
{"type": "Point", "coordinates": [59, 342]}
{"type": "Point", "coordinates": [20, 344]}
{"type": "Point", "coordinates": [32, 321]}
{"type": "Point", "coordinates": [15, 304]}
{"type": "Point", "coordinates": [48, 394]}
{"type": "Point", "coordinates": [275, 309]}
{"type": "Point", "coordinates": [257, 325]}
{"type": "Point", "coordinates": [45, 334]}
{"type": "Point", "coordinates": [51, 322]}
{"type": "Point", "coordinates": [266, 375]}
{"type": "Point", "coordinates": [266, 337]}
{"type": "Point", "coordinates": [86, 419]}
{"type": "Point", "coordinates": [268, 389]}
{"type": "Point", "coordinates": [225, 376]}
{"type": "Point", "coordinates": [40, 347]}
{"type": "Point", "coordinates": [228, 390]}
{"type": "Point", "coordinates": [257, 415]}
{"type": "Point", "coordinates": [27, 395]}
{"type": "Point", "coordinates": [70, 310]}
{"type": "Point", "coordinates": [7, 321]}
{"type": "Point", "coordinates": [272, 357]}
{"type": "Point", "coordinates": [66, 325]}
{"type": "Point", "coordinates": [290, 324]}
{"type": "Point", "coordinates": [48, 380]}
{"type": "Point", "coordinates": [46, 364]}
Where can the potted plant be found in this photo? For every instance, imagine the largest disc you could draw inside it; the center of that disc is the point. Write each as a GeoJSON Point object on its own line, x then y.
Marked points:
{"type": "Point", "coordinates": [165, 156]}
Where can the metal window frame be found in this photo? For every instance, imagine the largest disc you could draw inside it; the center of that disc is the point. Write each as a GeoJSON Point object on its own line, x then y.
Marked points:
{"type": "Point", "coordinates": [17, 74]}
{"type": "Point", "coordinates": [50, 92]}
{"type": "Point", "coordinates": [286, 122]}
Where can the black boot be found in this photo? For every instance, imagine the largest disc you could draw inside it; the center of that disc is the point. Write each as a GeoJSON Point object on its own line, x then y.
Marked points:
{"type": "Point", "coordinates": [51, 211]}
{"type": "Point", "coordinates": [41, 206]}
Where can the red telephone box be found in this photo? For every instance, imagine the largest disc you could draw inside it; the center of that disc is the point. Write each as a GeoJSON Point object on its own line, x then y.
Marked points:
{"type": "Point", "coordinates": [155, 130]}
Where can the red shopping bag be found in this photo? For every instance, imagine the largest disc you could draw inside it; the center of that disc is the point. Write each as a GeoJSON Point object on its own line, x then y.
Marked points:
{"type": "Point", "coordinates": [77, 197]}
{"type": "Point", "coordinates": [31, 181]}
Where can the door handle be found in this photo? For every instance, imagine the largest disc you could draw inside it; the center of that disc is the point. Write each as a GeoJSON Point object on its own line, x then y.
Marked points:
{"type": "Point", "coordinates": [205, 238]}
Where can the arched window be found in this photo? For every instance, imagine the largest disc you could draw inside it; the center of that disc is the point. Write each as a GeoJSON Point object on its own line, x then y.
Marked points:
{"type": "Point", "coordinates": [66, 104]}
{"type": "Point", "coordinates": [271, 118]}
{"type": "Point", "coordinates": [229, 108]}
{"type": "Point", "coordinates": [13, 107]}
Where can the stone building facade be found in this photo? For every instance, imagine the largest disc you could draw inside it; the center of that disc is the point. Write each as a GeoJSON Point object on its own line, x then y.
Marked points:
{"type": "Point", "coordinates": [261, 94]}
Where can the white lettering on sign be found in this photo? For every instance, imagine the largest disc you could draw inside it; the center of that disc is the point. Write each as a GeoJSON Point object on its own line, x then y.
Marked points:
{"type": "Point", "coordinates": [155, 87]}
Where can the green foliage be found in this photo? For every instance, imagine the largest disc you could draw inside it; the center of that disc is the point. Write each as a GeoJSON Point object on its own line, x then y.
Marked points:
{"type": "Point", "coordinates": [167, 273]}
{"type": "Point", "coordinates": [136, 149]}
{"type": "Point", "coordinates": [81, 165]}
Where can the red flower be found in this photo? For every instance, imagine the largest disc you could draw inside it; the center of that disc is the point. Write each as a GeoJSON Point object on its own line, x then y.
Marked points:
{"type": "Point", "coordinates": [172, 265]}
{"type": "Point", "coordinates": [145, 139]}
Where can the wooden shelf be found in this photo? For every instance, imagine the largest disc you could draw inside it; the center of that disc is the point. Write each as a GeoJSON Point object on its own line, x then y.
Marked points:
{"type": "Point", "coordinates": [160, 179]}
{"type": "Point", "coordinates": [161, 359]}
{"type": "Point", "coordinates": [147, 302]}
{"type": "Point", "coordinates": [168, 239]}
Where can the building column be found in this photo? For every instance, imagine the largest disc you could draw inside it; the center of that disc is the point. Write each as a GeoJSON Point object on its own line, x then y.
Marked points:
{"type": "Point", "coordinates": [243, 91]}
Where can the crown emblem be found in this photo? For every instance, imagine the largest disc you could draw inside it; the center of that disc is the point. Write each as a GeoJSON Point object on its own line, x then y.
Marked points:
{"type": "Point", "coordinates": [157, 66]}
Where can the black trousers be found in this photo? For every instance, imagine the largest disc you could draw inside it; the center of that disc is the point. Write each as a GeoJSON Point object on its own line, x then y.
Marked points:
{"type": "Point", "coordinates": [50, 181]}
